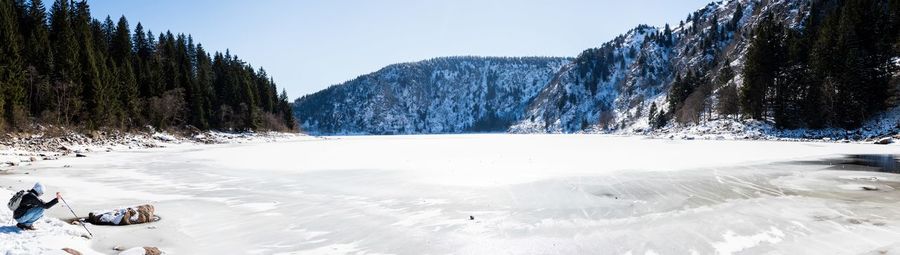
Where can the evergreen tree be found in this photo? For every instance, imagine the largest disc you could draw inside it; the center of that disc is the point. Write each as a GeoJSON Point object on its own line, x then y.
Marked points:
{"type": "Point", "coordinates": [11, 70]}
{"type": "Point", "coordinates": [95, 91]}
{"type": "Point", "coordinates": [82, 72]}
{"type": "Point", "coordinates": [204, 94]}
{"type": "Point", "coordinates": [714, 29]}
{"type": "Point", "coordinates": [120, 44]}
{"type": "Point", "coordinates": [680, 90]}
{"type": "Point", "coordinates": [667, 36]}
{"type": "Point", "coordinates": [286, 112]}
{"type": "Point", "coordinates": [128, 95]}
{"type": "Point", "coordinates": [37, 56]}
{"type": "Point", "coordinates": [65, 98]}
{"type": "Point", "coordinates": [736, 18]}
{"type": "Point", "coordinates": [762, 67]}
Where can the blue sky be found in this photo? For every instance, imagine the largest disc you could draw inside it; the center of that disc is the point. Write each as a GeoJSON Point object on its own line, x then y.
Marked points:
{"type": "Point", "coordinates": [309, 45]}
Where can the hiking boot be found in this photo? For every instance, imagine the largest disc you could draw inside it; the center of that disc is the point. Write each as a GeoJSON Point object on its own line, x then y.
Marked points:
{"type": "Point", "coordinates": [20, 226]}
{"type": "Point", "coordinates": [25, 227]}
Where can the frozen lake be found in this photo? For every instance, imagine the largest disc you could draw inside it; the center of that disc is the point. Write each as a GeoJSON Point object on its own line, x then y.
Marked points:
{"type": "Point", "coordinates": [528, 194]}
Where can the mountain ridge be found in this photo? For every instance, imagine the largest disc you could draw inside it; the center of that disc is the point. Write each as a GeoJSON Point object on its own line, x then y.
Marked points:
{"type": "Point", "coordinates": [431, 96]}
{"type": "Point", "coordinates": [652, 77]}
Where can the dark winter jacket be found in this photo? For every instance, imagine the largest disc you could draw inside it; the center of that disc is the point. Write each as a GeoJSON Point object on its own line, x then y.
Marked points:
{"type": "Point", "coordinates": [31, 200]}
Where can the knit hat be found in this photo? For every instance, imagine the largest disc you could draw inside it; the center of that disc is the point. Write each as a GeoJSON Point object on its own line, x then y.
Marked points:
{"type": "Point", "coordinates": [38, 188]}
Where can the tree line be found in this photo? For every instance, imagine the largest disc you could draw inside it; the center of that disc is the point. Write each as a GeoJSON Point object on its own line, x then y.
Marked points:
{"type": "Point", "coordinates": [837, 67]}
{"type": "Point", "coordinates": [64, 67]}
{"type": "Point", "coordinates": [834, 70]}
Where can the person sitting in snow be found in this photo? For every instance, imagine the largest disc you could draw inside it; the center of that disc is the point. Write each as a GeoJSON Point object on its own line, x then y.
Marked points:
{"type": "Point", "coordinates": [32, 207]}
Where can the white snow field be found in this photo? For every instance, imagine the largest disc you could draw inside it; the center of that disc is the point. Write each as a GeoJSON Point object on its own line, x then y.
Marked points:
{"type": "Point", "coordinates": [528, 194]}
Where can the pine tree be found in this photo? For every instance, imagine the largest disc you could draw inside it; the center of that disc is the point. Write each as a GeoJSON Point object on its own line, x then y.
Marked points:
{"type": "Point", "coordinates": [79, 71]}
{"type": "Point", "coordinates": [861, 76]}
{"type": "Point", "coordinates": [248, 99]}
{"type": "Point", "coordinates": [651, 115]}
{"type": "Point", "coordinates": [667, 36]}
{"type": "Point", "coordinates": [66, 93]}
{"type": "Point", "coordinates": [682, 89]}
{"type": "Point", "coordinates": [736, 17]}
{"type": "Point", "coordinates": [37, 57]}
{"type": "Point", "coordinates": [37, 37]}
{"type": "Point", "coordinates": [286, 111]}
{"type": "Point", "coordinates": [762, 66]}
{"type": "Point", "coordinates": [204, 93]}
{"type": "Point", "coordinates": [11, 70]}
{"type": "Point", "coordinates": [120, 43]}
{"type": "Point", "coordinates": [714, 29]}
{"type": "Point", "coordinates": [127, 96]}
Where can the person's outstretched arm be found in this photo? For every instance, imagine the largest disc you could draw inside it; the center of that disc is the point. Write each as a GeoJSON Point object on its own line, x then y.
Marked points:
{"type": "Point", "coordinates": [52, 202]}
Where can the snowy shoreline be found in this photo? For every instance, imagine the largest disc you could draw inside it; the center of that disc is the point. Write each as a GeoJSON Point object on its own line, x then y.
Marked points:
{"type": "Point", "coordinates": [24, 151]}
{"type": "Point", "coordinates": [18, 149]}
{"type": "Point", "coordinates": [885, 125]}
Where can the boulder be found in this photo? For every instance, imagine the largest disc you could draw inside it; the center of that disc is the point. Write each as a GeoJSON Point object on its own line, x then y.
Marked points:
{"type": "Point", "coordinates": [886, 140]}
{"type": "Point", "coordinates": [142, 251]}
{"type": "Point", "coordinates": [71, 251]}
{"type": "Point", "coordinates": [125, 216]}
{"type": "Point", "coordinates": [152, 251]}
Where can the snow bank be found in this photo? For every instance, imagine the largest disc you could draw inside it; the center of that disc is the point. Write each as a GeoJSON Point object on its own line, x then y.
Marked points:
{"type": "Point", "coordinates": [883, 125]}
{"type": "Point", "coordinates": [19, 149]}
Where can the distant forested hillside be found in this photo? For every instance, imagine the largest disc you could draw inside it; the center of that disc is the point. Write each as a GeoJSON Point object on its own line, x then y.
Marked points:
{"type": "Point", "coordinates": [792, 64]}
{"type": "Point", "coordinates": [796, 64]}
{"type": "Point", "coordinates": [66, 68]}
{"type": "Point", "coordinates": [442, 95]}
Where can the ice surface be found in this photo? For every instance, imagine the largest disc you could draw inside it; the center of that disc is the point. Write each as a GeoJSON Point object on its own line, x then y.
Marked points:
{"type": "Point", "coordinates": [528, 194]}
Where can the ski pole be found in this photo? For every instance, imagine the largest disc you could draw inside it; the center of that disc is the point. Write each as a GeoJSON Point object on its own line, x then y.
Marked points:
{"type": "Point", "coordinates": [76, 216]}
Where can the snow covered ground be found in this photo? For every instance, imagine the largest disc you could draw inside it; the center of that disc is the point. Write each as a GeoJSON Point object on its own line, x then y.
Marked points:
{"type": "Point", "coordinates": [886, 124]}
{"type": "Point", "coordinates": [50, 237]}
{"type": "Point", "coordinates": [477, 194]}
{"type": "Point", "coordinates": [17, 149]}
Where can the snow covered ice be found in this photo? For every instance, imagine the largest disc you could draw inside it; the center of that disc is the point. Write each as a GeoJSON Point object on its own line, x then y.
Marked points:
{"type": "Point", "coordinates": [528, 194]}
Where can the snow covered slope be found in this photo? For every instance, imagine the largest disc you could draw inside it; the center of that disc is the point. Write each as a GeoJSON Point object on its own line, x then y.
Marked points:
{"type": "Point", "coordinates": [611, 88]}
{"type": "Point", "coordinates": [443, 95]}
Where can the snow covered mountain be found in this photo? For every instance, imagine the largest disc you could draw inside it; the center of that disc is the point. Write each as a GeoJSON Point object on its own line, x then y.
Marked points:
{"type": "Point", "coordinates": [612, 88]}
{"type": "Point", "coordinates": [442, 95]}
{"type": "Point", "coordinates": [622, 86]}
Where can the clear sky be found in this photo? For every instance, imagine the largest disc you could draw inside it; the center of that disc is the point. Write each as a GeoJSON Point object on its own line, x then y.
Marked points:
{"type": "Point", "coordinates": [308, 45]}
